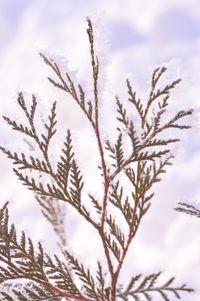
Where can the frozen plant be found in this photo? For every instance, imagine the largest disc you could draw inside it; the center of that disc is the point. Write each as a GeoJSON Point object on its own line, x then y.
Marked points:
{"type": "Point", "coordinates": [46, 277]}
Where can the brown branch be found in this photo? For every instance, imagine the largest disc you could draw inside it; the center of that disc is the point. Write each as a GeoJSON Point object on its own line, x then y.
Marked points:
{"type": "Point", "coordinates": [64, 85]}
{"type": "Point", "coordinates": [95, 124]}
{"type": "Point", "coordinates": [130, 237]}
{"type": "Point", "coordinates": [95, 70]}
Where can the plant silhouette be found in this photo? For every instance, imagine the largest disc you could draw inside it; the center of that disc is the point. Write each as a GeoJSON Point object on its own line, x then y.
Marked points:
{"type": "Point", "coordinates": [49, 277]}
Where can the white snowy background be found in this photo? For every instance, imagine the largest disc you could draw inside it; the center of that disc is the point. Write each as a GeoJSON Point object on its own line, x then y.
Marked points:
{"type": "Point", "coordinates": [135, 36]}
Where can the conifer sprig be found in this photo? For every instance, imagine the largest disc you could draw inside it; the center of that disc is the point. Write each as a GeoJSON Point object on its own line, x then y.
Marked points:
{"type": "Point", "coordinates": [142, 165]}
{"type": "Point", "coordinates": [66, 84]}
{"type": "Point", "coordinates": [50, 277]}
{"type": "Point", "coordinates": [59, 187]}
{"type": "Point", "coordinates": [147, 288]}
{"type": "Point", "coordinates": [188, 208]}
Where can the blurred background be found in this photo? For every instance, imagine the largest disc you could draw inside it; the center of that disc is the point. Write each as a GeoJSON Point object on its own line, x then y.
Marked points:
{"type": "Point", "coordinates": [132, 38]}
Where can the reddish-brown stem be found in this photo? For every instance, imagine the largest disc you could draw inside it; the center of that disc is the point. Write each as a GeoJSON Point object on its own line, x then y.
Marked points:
{"type": "Point", "coordinates": [95, 70]}
{"type": "Point", "coordinates": [130, 237]}
{"type": "Point", "coordinates": [105, 176]}
{"type": "Point", "coordinates": [106, 251]}
{"type": "Point", "coordinates": [118, 269]}
{"type": "Point", "coordinates": [105, 197]}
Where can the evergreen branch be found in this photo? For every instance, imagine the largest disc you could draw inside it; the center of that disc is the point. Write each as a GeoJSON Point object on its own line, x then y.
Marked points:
{"type": "Point", "coordinates": [58, 189]}
{"type": "Point", "coordinates": [95, 73]}
{"type": "Point", "coordinates": [160, 142]}
{"type": "Point", "coordinates": [54, 192]}
{"type": "Point", "coordinates": [32, 292]}
{"type": "Point", "coordinates": [147, 288]}
{"type": "Point", "coordinates": [116, 198]}
{"type": "Point", "coordinates": [172, 124]}
{"type": "Point", "coordinates": [149, 156]}
{"type": "Point", "coordinates": [69, 87]}
{"type": "Point", "coordinates": [82, 96]}
{"type": "Point", "coordinates": [130, 173]}
{"type": "Point", "coordinates": [157, 170]}
{"type": "Point", "coordinates": [19, 127]}
{"type": "Point", "coordinates": [52, 277]}
{"type": "Point", "coordinates": [136, 102]}
{"type": "Point", "coordinates": [44, 140]}
{"type": "Point", "coordinates": [29, 114]}
{"type": "Point", "coordinates": [65, 163]}
{"type": "Point", "coordinates": [149, 174]}
{"type": "Point", "coordinates": [96, 204]}
{"type": "Point", "coordinates": [22, 161]}
{"type": "Point", "coordinates": [138, 154]}
{"type": "Point", "coordinates": [164, 102]}
{"type": "Point", "coordinates": [154, 95]}
{"type": "Point", "coordinates": [165, 90]}
{"type": "Point", "coordinates": [113, 247]}
{"type": "Point", "coordinates": [101, 281]}
{"type": "Point", "coordinates": [21, 261]}
{"type": "Point", "coordinates": [76, 184]}
{"type": "Point", "coordinates": [59, 272]}
{"type": "Point", "coordinates": [157, 73]}
{"type": "Point", "coordinates": [119, 151]}
{"type": "Point", "coordinates": [142, 182]}
{"type": "Point", "coordinates": [188, 209]}
{"type": "Point", "coordinates": [111, 149]}
{"type": "Point", "coordinates": [157, 120]}
{"type": "Point", "coordinates": [54, 83]}
{"type": "Point", "coordinates": [50, 127]}
{"type": "Point", "coordinates": [122, 113]}
{"type": "Point", "coordinates": [133, 137]}
{"type": "Point", "coordinates": [94, 61]}
{"type": "Point", "coordinates": [51, 190]}
{"type": "Point", "coordinates": [115, 230]}
{"type": "Point", "coordinates": [85, 276]}
{"type": "Point", "coordinates": [136, 213]}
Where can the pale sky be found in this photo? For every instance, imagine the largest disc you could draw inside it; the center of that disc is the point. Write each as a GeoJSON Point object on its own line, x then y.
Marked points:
{"type": "Point", "coordinates": [135, 36]}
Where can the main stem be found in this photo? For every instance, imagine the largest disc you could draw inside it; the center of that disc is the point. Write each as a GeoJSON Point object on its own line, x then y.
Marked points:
{"type": "Point", "coordinates": [95, 73]}
{"type": "Point", "coordinates": [113, 274]}
{"type": "Point", "coordinates": [130, 237]}
{"type": "Point", "coordinates": [106, 185]}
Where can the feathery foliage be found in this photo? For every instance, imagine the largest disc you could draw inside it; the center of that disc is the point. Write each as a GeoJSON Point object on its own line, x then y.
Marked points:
{"type": "Point", "coordinates": [147, 288]}
{"type": "Point", "coordinates": [141, 165]}
{"type": "Point", "coordinates": [188, 209]}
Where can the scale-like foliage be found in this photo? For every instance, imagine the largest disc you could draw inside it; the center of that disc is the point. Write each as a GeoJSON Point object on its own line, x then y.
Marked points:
{"type": "Point", "coordinates": [122, 113]}
{"type": "Point", "coordinates": [141, 165]}
{"type": "Point", "coordinates": [76, 184]}
{"type": "Point", "coordinates": [22, 260]}
{"type": "Point", "coordinates": [147, 287]}
{"type": "Point", "coordinates": [188, 208]}
{"type": "Point", "coordinates": [90, 287]}
{"type": "Point", "coordinates": [65, 163]}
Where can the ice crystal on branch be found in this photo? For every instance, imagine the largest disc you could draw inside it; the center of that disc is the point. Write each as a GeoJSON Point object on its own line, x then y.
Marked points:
{"type": "Point", "coordinates": [51, 277]}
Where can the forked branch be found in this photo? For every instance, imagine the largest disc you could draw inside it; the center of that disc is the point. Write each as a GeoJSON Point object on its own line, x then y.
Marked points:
{"type": "Point", "coordinates": [141, 164]}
